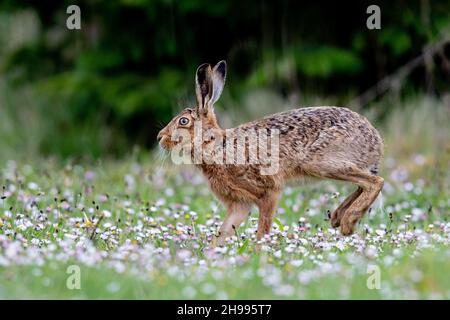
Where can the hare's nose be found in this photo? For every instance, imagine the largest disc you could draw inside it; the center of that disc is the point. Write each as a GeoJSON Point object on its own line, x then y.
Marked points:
{"type": "Point", "coordinates": [159, 137]}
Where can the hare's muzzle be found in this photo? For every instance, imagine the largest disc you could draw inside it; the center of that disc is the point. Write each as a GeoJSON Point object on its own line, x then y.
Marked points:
{"type": "Point", "coordinates": [159, 137]}
{"type": "Point", "coordinates": [163, 140]}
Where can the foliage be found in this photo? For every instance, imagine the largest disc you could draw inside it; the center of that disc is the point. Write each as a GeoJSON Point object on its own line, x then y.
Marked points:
{"type": "Point", "coordinates": [132, 63]}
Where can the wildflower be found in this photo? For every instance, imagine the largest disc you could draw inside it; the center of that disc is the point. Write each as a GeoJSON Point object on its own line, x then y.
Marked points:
{"type": "Point", "coordinates": [130, 182]}
{"type": "Point", "coordinates": [417, 214]}
{"type": "Point", "coordinates": [284, 290]}
{"type": "Point", "coordinates": [22, 227]}
{"type": "Point", "coordinates": [371, 252]}
{"type": "Point", "coordinates": [183, 255]}
{"type": "Point", "coordinates": [113, 287]}
{"type": "Point", "coordinates": [340, 245]}
{"type": "Point", "coordinates": [102, 198]}
{"type": "Point", "coordinates": [89, 175]}
{"type": "Point", "coordinates": [416, 275]}
{"type": "Point", "coordinates": [208, 288]}
{"type": "Point", "coordinates": [189, 292]}
{"type": "Point", "coordinates": [106, 213]}
{"type": "Point", "coordinates": [296, 263]}
{"type": "Point", "coordinates": [87, 222]}
{"type": "Point", "coordinates": [33, 186]}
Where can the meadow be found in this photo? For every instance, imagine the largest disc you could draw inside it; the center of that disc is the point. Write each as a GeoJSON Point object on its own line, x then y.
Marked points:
{"type": "Point", "coordinates": [140, 228]}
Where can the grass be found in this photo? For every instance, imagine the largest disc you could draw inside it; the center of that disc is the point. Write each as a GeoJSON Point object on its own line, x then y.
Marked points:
{"type": "Point", "coordinates": [139, 228]}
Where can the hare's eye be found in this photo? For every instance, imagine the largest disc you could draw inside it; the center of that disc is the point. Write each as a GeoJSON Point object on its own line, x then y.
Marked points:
{"type": "Point", "coordinates": [183, 121]}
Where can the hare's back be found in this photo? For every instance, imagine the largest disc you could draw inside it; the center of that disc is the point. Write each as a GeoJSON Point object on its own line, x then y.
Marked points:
{"type": "Point", "coordinates": [315, 133]}
{"type": "Point", "coordinates": [313, 120]}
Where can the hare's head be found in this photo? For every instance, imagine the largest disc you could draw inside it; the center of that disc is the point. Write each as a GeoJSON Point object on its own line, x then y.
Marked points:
{"type": "Point", "coordinates": [192, 123]}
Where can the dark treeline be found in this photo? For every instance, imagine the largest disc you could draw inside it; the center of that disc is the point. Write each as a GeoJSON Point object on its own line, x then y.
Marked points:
{"type": "Point", "coordinates": [132, 63]}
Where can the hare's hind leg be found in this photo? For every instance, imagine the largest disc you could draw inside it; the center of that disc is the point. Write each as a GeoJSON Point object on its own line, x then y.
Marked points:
{"type": "Point", "coordinates": [354, 207]}
{"type": "Point", "coordinates": [236, 214]}
{"type": "Point", "coordinates": [371, 186]}
{"type": "Point", "coordinates": [337, 214]}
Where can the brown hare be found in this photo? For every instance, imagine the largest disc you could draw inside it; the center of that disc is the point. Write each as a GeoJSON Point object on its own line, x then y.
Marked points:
{"type": "Point", "coordinates": [321, 142]}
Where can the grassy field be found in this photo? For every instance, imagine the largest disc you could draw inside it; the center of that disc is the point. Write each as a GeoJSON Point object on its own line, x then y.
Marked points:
{"type": "Point", "coordinates": [139, 228]}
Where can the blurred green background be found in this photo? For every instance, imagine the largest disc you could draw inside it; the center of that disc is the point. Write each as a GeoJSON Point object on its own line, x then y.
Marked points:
{"type": "Point", "coordinates": [80, 110]}
{"type": "Point", "coordinates": [104, 89]}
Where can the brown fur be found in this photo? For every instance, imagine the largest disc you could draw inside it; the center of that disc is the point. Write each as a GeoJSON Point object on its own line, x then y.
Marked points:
{"type": "Point", "coordinates": [321, 142]}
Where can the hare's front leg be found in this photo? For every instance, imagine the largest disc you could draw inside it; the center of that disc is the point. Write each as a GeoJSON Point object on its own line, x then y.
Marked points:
{"type": "Point", "coordinates": [236, 214]}
{"type": "Point", "coordinates": [267, 206]}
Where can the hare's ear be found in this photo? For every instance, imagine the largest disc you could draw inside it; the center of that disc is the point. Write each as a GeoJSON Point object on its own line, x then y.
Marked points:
{"type": "Point", "coordinates": [219, 74]}
{"type": "Point", "coordinates": [203, 86]}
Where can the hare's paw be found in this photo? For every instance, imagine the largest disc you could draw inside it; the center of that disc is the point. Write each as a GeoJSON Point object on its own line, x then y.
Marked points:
{"type": "Point", "coordinates": [218, 241]}
{"type": "Point", "coordinates": [348, 223]}
{"type": "Point", "coordinates": [213, 243]}
{"type": "Point", "coordinates": [347, 229]}
{"type": "Point", "coordinates": [340, 211]}
{"type": "Point", "coordinates": [221, 240]}
{"type": "Point", "coordinates": [336, 217]}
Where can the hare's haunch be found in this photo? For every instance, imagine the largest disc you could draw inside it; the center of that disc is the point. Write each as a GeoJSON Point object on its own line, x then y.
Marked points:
{"type": "Point", "coordinates": [322, 142]}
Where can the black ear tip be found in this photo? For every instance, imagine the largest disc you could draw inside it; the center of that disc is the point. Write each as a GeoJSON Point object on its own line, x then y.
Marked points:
{"type": "Point", "coordinates": [221, 66]}
{"type": "Point", "coordinates": [203, 66]}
